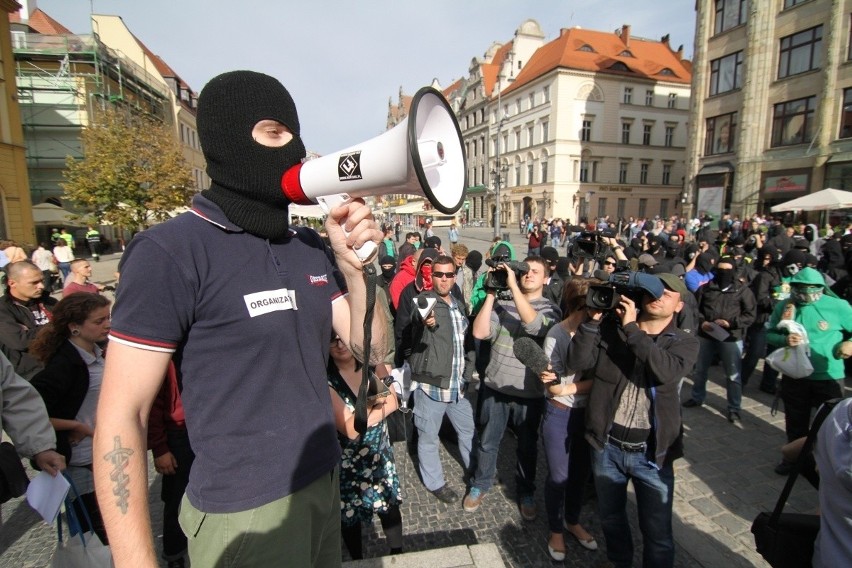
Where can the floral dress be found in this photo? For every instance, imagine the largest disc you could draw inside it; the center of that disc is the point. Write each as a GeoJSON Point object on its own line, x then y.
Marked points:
{"type": "Point", "coordinates": [368, 479]}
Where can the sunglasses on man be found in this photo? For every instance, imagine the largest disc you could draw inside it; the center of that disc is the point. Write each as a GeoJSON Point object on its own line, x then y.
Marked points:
{"type": "Point", "coordinates": [443, 275]}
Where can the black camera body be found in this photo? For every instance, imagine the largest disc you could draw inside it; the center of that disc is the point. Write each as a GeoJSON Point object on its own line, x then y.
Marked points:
{"type": "Point", "coordinates": [626, 283]}
{"type": "Point", "coordinates": [590, 244]}
{"type": "Point", "coordinates": [498, 279]}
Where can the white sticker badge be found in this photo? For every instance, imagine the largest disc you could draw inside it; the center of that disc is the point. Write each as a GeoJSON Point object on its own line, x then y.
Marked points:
{"type": "Point", "coordinates": [268, 301]}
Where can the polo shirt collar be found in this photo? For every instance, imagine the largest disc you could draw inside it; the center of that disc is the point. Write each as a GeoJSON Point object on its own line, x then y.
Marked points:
{"type": "Point", "coordinates": [210, 212]}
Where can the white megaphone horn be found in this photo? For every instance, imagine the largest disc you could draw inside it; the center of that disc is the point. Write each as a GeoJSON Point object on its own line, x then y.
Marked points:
{"type": "Point", "coordinates": [423, 155]}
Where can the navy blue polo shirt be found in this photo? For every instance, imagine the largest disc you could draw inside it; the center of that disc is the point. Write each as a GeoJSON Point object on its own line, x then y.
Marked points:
{"type": "Point", "coordinates": [249, 323]}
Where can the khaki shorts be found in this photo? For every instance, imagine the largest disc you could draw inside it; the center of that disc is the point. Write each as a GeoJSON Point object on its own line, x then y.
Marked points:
{"type": "Point", "coordinates": [302, 529]}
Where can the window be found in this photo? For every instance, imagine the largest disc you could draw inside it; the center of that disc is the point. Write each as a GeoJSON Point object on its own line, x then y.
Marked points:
{"type": "Point", "coordinates": [846, 115]}
{"type": "Point", "coordinates": [543, 170]}
{"type": "Point", "coordinates": [726, 73]}
{"type": "Point", "coordinates": [649, 98]}
{"type": "Point", "coordinates": [667, 175]}
{"type": "Point", "coordinates": [669, 138]}
{"type": "Point", "coordinates": [505, 143]}
{"type": "Point", "coordinates": [643, 206]}
{"type": "Point", "coordinates": [530, 133]}
{"type": "Point", "coordinates": [622, 172]}
{"type": "Point", "coordinates": [626, 53]}
{"type": "Point", "coordinates": [588, 48]}
{"type": "Point", "coordinates": [546, 91]}
{"type": "Point", "coordinates": [517, 139]}
{"type": "Point", "coordinates": [720, 137]}
{"type": "Point", "coordinates": [505, 110]}
{"type": "Point", "coordinates": [664, 208]}
{"type": "Point", "coordinates": [602, 207]}
{"type": "Point", "coordinates": [628, 95]}
{"type": "Point", "coordinates": [466, 122]}
{"type": "Point", "coordinates": [791, 3]}
{"type": "Point", "coordinates": [544, 133]}
{"type": "Point", "coordinates": [530, 173]}
{"type": "Point", "coordinates": [595, 171]}
{"type": "Point", "coordinates": [517, 175]}
{"type": "Point", "coordinates": [800, 52]}
{"type": "Point", "coordinates": [729, 14]}
{"type": "Point", "coordinates": [793, 122]}
{"type": "Point", "coordinates": [646, 134]}
{"type": "Point", "coordinates": [625, 133]}
{"type": "Point", "coordinates": [518, 106]}
{"type": "Point", "coordinates": [643, 174]}
{"type": "Point", "coordinates": [584, 171]}
{"type": "Point", "coordinates": [672, 100]}
{"type": "Point", "coordinates": [622, 201]}
{"type": "Point", "coordinates": [532, 100]}
{"type": "Point", "coordinates": [586, 131]}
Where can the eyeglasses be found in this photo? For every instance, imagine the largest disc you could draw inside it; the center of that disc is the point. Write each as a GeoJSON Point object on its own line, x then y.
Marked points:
{"type": "Point", "coordinates": [337, 341]}
{"type": "Point", "coordinates": [608, 263]}
{"type": "Point", "coordinates": [443, 275]}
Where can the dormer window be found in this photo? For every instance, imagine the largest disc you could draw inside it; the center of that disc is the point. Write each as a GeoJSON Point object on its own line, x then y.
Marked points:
{"type": "Point", "coordinates": [619, 66]}
{"type": "Point", "coordinates": [588, 48]}
{"type": "Point", "coordinates": [667, 72]}
{"type": "Point", "coordinates": [625, 53]}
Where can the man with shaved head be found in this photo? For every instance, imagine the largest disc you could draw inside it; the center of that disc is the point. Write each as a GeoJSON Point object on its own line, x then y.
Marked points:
{"type": "Point", "coordinates": [23, 310]}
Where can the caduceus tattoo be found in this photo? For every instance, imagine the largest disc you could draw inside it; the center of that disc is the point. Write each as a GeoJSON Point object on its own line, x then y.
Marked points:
{"type": "Point", "coordinates": [120, 459]}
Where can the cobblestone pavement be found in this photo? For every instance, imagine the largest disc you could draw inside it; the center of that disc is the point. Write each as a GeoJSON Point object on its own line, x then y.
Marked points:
{"type": "Point", "coordinates": [724, 481]}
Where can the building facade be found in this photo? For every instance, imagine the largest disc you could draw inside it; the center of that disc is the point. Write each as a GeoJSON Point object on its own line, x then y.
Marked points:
{"type": "Point", "coordinates": [16, 218]}
{"type": "Point", "coordinates": [772, 103]}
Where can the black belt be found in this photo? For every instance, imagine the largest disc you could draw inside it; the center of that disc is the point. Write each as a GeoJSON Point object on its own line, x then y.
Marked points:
{"type": "Point", "coordinates": [626, 446]}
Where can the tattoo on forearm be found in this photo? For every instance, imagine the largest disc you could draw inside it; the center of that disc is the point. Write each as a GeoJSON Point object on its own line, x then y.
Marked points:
{"type": "Point", "coordinates": [120, 459]}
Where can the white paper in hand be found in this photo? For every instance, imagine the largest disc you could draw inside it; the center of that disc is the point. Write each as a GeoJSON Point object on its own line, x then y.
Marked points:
{"type": "Point", "coordinates": [46, 493]}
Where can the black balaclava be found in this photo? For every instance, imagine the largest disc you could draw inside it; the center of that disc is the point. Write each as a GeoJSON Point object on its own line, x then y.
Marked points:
{"type": "Point", "coordinates": [704, 263]}
{"type": "Point", "coordinates": [474, 260]}
{"type": "Point", "coordinates": [246, 176]}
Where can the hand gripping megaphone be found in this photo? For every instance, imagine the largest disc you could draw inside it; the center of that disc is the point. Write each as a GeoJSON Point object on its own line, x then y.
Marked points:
{"type": "Point", "coordinates": [423, 155]}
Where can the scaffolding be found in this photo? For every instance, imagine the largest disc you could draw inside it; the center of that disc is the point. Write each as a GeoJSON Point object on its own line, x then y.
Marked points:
{"type": "Point", "coordinates": [62, 81]}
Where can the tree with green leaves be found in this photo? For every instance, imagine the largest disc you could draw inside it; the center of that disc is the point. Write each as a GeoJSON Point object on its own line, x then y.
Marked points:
{"type": "Point", "coordinates": [132, 174]}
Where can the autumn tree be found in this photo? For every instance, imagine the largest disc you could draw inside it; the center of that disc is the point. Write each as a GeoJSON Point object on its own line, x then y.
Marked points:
{"type": "Point", "coordinates": [132, 173]}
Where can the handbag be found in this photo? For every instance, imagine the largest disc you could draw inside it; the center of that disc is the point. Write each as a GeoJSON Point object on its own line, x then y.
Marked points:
{"type": "Point", "coordinates": [793, 362]}
{"type": "Point", "coordinates": [786, 540]}
{"type": "Point", "coordinates": [83, 551]}
{"type": "Point", "coordinates": [13, 477]}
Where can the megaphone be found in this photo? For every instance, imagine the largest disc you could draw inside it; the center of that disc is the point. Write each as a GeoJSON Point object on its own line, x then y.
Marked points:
{"type": "Point", "coordinates": [423, 155]}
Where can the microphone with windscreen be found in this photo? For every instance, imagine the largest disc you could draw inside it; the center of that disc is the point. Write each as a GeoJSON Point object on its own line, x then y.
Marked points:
{"type": "Point", "coordinates": [532, 356]}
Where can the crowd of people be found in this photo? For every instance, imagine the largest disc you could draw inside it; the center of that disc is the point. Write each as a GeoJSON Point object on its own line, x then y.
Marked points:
{"type": "Point", "coordinates": [239, 346]}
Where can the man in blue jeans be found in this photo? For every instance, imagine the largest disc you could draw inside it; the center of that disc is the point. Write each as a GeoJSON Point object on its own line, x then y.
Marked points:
{"type": "Point", "coordinates": [633, 416]}
{"type": "Point", "coordinates": [508, 387]}
{"type": "Point", "coordinates": [441, 361]}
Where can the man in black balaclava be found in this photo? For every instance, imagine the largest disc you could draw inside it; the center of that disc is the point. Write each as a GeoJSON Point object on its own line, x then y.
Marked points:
{"type": "Point", "coordinates": [245, 306]}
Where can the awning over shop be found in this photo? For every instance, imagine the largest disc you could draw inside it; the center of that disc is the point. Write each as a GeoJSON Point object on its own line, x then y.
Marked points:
{"type": "Point", "coordinates": [409, 208]}
{"type": "Point", "coordinates": [840, 157]}
{"type": "Point", "coordinates": [50, 214]}
{"type": "Point", "coordinates": [722, 168]}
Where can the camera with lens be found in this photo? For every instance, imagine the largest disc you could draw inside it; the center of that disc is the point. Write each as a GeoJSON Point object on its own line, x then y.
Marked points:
{"type": "Point", "coordinates": [627, 283]}
{"type": "Point", "coordinates": [590, 244]}
{"type": "Point", "coordinates": [498, 279]}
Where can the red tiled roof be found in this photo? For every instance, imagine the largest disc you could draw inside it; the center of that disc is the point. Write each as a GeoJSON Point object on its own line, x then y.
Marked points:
{"type": "Point", "coordinates": [649, 59]}
{"type": "Point", "coordinates": [41, 23]}
{"type": "Point", "coordinates": [406, 105]}
{"type": "Point", "coordinates": [490, 70]}
{"type": "Point", "coordinates": [448, 92]}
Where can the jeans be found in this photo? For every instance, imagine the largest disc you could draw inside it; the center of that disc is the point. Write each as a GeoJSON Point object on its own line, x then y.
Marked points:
{"type": "Point", "coordinates": [428, 415]}
{"type": "Point", "coordinates": [568, 464]}
{"type": "Point", "coordinates": [730, 352]}
{"type": "Point", "coordinates": [654, 488]}
{"type": "Point", "coordinates": [755, 349]}
{"type": "Point", "coordinates": [493, 415]}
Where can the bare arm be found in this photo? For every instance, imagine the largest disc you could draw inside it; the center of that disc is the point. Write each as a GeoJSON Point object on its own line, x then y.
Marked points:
{"type": "Point", "coordinates": [132, 378]}
{"type": "Point", "coordinates": [344, 419]}
{"type": "Point", "coordinates": [482, 323]}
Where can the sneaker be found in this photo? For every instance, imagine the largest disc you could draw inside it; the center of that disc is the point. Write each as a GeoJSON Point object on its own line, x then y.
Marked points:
{"type": "Point", "coordinates": [445, 494]}
{"type": "Point", "coordinates": [784, 468]}
{"type": "Point", "coordinates": [734, 417]}
{"type": "Point", "coordinates": [528, 510]}
{"type": "Point", "coordinates": [692, 403]}
{"type": "Point", "coordinates": [473, 499]}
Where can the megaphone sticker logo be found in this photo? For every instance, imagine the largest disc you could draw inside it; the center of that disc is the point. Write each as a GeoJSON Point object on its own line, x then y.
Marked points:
{"type": "Point", "coordinates": [349, 166]}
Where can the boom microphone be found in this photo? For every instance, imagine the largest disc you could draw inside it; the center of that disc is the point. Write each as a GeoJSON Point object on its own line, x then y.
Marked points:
{"type": "Point", "coordinates": [531, 355]}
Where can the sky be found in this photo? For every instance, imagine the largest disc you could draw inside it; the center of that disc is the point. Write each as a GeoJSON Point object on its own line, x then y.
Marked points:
{"type": "Point", "coordinates": [343, 60]}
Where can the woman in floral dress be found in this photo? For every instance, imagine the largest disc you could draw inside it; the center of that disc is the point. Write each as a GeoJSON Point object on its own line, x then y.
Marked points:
{"type": "Point", "coordinates": [368, 480]}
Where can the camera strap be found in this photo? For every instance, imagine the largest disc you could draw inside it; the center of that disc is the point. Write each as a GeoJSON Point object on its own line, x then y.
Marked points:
{"type": "Point", "coordinates": [361, 409]}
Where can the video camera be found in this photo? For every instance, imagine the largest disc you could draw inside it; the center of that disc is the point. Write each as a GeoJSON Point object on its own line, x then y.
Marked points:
{"type": "Point", "coordinates": [498, 279]}
{"type": "Point", "coordinates": [631, 284]}
{"type": "Point", "coordinates": [590, 244]}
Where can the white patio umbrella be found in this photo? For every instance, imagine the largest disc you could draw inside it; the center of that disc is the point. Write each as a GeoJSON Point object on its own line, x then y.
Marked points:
{"type": "Point", "coordinates": [824, 200]}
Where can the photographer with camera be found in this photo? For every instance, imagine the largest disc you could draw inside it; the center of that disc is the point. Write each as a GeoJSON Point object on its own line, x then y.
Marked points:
{"type": "Point", "coordinates": [633, 415]}
{"type": "Point", "coordinates": [508, 387]}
